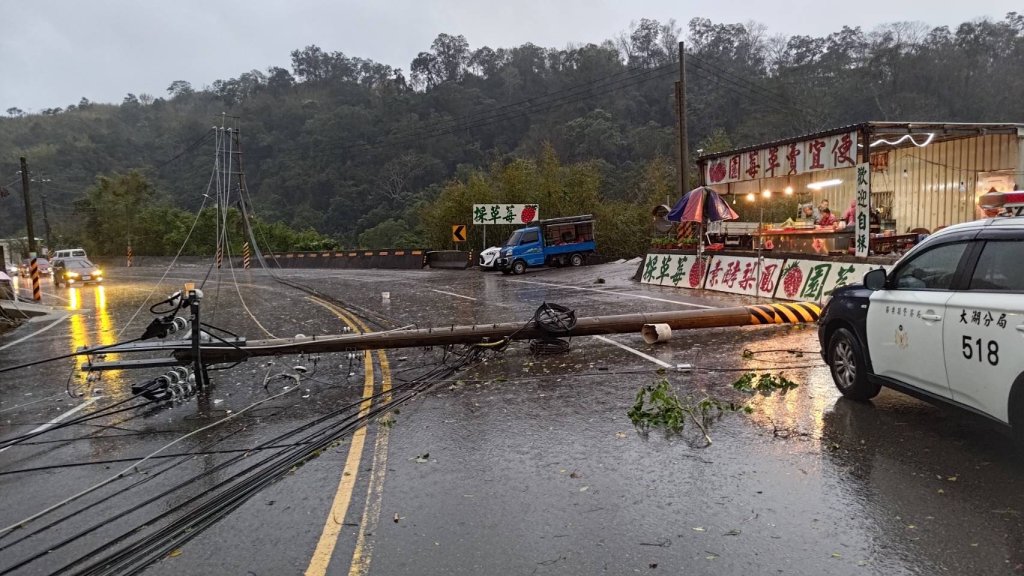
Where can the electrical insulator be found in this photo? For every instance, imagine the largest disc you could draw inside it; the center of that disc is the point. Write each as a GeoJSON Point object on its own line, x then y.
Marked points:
{"type": "Point", "coordinates": [177, 324]}
{"type": "Point", "coordinates": [177, 384]}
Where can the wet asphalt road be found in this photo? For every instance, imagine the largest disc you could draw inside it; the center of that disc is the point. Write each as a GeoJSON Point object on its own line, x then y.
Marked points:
{"type": "Point", "coordinates": [518, 464]}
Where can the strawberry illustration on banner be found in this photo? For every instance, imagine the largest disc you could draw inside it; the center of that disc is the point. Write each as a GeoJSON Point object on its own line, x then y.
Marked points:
{"type": "Point", "coordinates": [697, 272]}
{"type": "Point", "coordinates": [792, 279]}
{"type": "Point", "coordinates": [529, 213]}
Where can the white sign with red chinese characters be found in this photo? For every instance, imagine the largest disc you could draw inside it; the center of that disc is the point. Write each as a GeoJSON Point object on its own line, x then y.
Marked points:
{"type": "Point", "coordinates": [812, 280]}
{"type": "Point", "coordinates": [824, 153]}
{"type": "Point", "coordinates": [676, 270]}
{"type": "Point", "coordinates": [741, 275]}
{"type": "Point", "coordinates": [516, 214]}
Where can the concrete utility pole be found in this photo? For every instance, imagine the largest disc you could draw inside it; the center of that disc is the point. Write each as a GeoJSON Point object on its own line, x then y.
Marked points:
{"type": "Point", "coordinates": [37, 293]}
{"type": "Point", "coordinates": [185, 351]}
{"type": "Point", "coordinates": [28, 209]}
{"type": "Point", "coordinates": [684, 150]}
{"type": "Point", "coordinates": [46, 223]}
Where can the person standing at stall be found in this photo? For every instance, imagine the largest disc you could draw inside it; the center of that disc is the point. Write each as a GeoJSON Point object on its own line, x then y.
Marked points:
{"type": "Point", "coordinates": [850, 214]}
{"type": "Point", "coordinates": [822, 206]}
{"type": "Point", "coordinates": [827, 219]}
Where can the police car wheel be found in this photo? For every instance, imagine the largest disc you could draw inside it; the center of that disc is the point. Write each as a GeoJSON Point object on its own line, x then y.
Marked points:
{"type": "Point", "coordinates": [518, 267]}
{"type": "Point", "coordinates": [1016, 412]}
{"type": "Point", "coordinates": [846, 361]}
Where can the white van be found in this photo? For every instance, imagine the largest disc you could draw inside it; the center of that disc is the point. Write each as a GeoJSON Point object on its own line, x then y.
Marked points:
{"type": "Point", "coordinates": [70, 253]}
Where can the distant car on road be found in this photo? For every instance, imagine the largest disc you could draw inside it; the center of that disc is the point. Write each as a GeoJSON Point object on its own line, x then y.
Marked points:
{"type": "Point", "coordinates": [70, 253]}
{"type": "Point", "coordinates": [75, 271]}
{"type": "Point", "coordinates": [25, 269]}
{"type": "Point", "coordinates": [489, 258]}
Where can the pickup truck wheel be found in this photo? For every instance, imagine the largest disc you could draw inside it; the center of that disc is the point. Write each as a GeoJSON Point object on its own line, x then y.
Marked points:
{"type": "Point", "coordinates": [518, 267]}
{"type": "Point", "coordinates": [849, 370]}
{"type": "Point", "coordinates": [576, 259]}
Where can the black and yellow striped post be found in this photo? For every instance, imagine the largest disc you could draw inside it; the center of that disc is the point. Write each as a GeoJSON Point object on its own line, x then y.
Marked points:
{"type": "Point", "coordinates": [246, 260]}
{"type": "Point", "coordinates": [37, 290]}
{"type": "Point", "coordinates": [784, 313]}
{"type": "Point", "coordinates": [131, 256]}
{"type": "Point", "coordinates": [220, 256]}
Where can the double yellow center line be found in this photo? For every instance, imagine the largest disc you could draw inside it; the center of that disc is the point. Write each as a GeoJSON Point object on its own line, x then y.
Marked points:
{"type": "Point", "coordinates": [343, 495]}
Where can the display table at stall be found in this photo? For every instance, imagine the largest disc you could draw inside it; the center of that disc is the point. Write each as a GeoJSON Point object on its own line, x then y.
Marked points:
{"type": "Point", "coordinates": [818, 240]}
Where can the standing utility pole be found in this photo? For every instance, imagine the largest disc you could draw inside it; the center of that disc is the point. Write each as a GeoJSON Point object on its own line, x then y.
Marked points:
{"type": "Point", "coordinates": [28, 209]}
{"type": "Point", "coordinates": [684, 150]}
{"type": "Point", "coordinates": [46, 223]}
{"type": "Point", "coordinates": [37, 292]}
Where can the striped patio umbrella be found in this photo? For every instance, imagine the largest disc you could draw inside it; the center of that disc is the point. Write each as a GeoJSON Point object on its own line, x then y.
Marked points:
{"type": "Point", "coordinates": [700, 205]}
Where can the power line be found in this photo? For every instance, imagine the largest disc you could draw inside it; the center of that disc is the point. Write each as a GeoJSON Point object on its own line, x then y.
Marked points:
{"type": "Point", "coordinates": [485, 120]}
{"type": "Point", "coordinates": [711, 67]}
{"type": "Point", "coordinates": [746, 89]}
{"type": "Point", "coordinates": [753, 86]}
{"type": "Point", "coordinates": [201, 140]}
{"type": "Point", "coordinates": [740, 91]}
{"type": "Point", "coordinates": [535, 99]}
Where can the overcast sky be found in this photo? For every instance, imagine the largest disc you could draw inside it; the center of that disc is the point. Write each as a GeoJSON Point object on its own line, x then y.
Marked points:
{"type": "Point", "coordinates": [53, 53]}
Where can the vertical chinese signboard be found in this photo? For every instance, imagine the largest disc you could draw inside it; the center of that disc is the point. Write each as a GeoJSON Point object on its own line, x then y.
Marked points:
{"type": "Point", "coordinates": [862, 219]}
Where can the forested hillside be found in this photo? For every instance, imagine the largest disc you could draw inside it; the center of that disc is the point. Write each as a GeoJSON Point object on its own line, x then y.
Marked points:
{"type": "Point", "coordinates": [371, 155]}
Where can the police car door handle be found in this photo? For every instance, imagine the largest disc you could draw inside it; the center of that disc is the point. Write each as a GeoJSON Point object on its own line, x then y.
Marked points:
{"type": "Point", "coordinates": [931, 317]}
{"type": "Point", "coordinates": [1020, 327]}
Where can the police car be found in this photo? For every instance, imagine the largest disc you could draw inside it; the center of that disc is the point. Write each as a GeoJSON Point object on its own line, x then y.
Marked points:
{"type": "Point", "coordinates": [945, 324]}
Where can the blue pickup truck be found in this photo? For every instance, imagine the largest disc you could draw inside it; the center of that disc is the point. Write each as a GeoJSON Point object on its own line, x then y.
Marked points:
{"type": "Point", "coordinates": [552, 242]}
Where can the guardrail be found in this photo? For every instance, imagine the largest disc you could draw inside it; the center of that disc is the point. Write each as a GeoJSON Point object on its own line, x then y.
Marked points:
{"type": "Point", "coordinates": [342, 259]}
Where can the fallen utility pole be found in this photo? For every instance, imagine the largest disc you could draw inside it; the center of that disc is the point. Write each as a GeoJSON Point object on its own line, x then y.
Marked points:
{"type": "Point", "coordinates": [222, 352]}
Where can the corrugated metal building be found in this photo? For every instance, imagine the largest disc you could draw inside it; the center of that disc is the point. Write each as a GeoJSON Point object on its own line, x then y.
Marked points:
{"type": "Point", "coordinates": [923, 175]}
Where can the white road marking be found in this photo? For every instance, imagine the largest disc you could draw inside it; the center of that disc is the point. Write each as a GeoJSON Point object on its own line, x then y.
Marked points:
{"type": "Point", "coordinates": [661, 363]}
{"type": "Point", "coordinates": [41, 330]}
{"type": "Point", "coordinates": [453, 294]}
{"type": "Point", "coordinates": [63, 416]}
{"type": "Point", "coordinates": [612, 292]}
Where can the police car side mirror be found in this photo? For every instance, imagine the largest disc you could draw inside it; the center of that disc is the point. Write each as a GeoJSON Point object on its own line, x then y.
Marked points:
{"type": "Point", "coordinates": [875, 280]}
